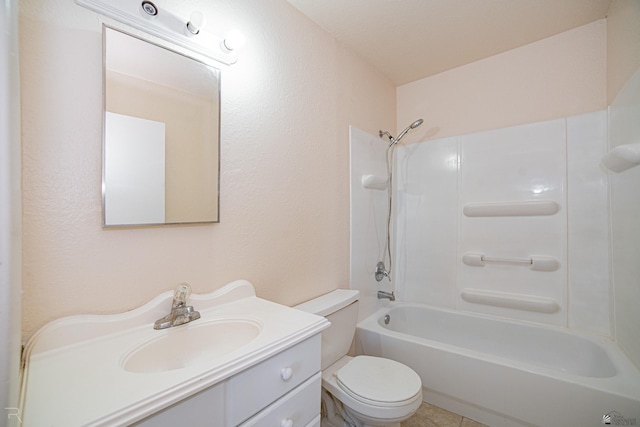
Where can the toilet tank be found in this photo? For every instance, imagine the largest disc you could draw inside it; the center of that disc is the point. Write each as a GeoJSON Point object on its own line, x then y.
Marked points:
{"type": "Point", "coordinates": [340, 307]}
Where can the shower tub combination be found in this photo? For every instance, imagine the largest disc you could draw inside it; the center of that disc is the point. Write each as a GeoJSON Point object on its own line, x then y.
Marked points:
{"type": "Point", "coordinates": [503, 372]}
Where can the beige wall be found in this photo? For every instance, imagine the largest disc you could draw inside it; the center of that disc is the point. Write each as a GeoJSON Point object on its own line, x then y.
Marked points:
{"type": "Point", "coordinates": [556, 77]}
{"type": "Point", "coordinates": [623, 44]}
{"type": "Point", "coordinates": [284, 206]}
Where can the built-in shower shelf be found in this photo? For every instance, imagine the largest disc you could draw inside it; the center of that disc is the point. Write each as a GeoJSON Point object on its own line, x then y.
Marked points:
{"type": "Point", "coordinates": [510, 300]}
{"type": "Point", "coordinates": [524, 208]}
{"type": "Point", "coordinates": [622, 157]}
{"type": "Point", "coordinates": [374, 182]}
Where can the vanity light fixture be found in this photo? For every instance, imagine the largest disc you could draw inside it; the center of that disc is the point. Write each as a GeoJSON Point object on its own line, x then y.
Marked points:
{"type": "Point", "coordinates": [146, 16]}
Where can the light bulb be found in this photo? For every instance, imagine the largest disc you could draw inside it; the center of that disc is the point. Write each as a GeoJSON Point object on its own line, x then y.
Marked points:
{"type": "Point", "coordinates": [196, 22]}
{"type": "Point", "coordinates": [234, 40]}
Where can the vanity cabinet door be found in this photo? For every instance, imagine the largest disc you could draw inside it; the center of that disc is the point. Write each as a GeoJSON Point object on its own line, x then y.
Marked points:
{"type": "Point", "coordinates": [204, 409]}
{"type": "Point", "coordinates": [298, 408]}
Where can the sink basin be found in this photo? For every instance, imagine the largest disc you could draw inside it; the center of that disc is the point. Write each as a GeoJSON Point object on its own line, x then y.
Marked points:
{"type": "Point", "coordinates": [190, 344]}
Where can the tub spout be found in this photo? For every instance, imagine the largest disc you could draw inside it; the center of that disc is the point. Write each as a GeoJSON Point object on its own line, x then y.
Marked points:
{"type": "Point", "coordinates": [388, 295]}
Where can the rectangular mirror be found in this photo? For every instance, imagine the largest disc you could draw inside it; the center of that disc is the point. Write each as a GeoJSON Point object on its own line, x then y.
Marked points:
{"type": "Point", "coordinates": [161, 151]}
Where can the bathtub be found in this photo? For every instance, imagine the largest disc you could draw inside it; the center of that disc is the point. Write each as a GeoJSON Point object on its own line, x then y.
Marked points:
{"type": "Point", "coordinates": [503, 372]}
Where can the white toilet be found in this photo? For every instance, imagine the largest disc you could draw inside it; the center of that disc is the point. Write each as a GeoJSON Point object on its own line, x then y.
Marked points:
{"type": "Point", "coordinates": [359, 391]}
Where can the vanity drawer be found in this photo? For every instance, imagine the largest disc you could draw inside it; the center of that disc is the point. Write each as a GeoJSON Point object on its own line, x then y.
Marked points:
{"type": "Point", "coordinates": [204, 409]}
{"type": "Point", "coordinates": [299, 408]}
{"type": "Point", "coordinates": [255, 388]}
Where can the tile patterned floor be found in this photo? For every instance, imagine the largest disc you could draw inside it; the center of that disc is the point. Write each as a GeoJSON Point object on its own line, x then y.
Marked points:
{"type": "Point", "coordinates": [432, 416]}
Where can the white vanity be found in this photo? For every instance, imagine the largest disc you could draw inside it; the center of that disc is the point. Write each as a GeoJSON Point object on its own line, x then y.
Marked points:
{"type": "Point", "coordinates": [246, 361]}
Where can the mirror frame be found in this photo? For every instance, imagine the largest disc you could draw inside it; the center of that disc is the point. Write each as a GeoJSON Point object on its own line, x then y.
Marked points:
{"type": "Point", "coordinates": [178, 51]}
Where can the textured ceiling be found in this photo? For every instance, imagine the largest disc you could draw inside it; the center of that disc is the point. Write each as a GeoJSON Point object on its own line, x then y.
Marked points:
{"type": "Point", "coordinates": [411, 39]}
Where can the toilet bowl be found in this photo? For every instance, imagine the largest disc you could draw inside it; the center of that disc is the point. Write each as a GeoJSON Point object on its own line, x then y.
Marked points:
{"type": "Point", "coordinates": [374, 390]}
{"type": "Point", "coordinates": [359, 391]}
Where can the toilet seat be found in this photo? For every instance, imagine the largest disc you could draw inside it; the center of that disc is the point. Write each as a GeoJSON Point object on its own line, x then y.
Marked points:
{"type": "Point", "coordinates": [379, 382]}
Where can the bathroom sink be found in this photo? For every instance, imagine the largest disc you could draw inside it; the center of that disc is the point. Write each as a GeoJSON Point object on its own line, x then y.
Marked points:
{"type": "Point", "coordinates": [190, 345]}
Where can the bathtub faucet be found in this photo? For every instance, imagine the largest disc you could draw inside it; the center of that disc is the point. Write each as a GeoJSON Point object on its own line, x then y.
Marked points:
{"type": "Point", "coordinates": [181, 313]}
{"type": "Point", "coordinates": [388, 295]}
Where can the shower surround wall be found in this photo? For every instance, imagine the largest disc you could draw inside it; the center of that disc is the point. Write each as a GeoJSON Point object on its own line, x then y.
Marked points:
{"type": "Point", "coordinates": [624, 128]}
{"type": "Point", "coordinates": [556, 161]}
{"type": "Point", "coordinates": [438, 184]}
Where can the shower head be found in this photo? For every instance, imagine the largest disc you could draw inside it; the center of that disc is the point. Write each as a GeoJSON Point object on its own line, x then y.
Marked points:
{"type": "Point", "coordinates": [416, 123]}
{"type": "Point", "coordinates": [394, 141]}
{"type": "Point", "coordinates": [404, 132]}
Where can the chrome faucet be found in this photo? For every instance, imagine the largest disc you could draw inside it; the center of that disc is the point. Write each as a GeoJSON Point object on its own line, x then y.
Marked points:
{"type": "Point", "coordinates": [381, 273]}
{"type": "Point", "coordinates": [181, 313]}
{"type": "Point", "coordinates": [388, 295]}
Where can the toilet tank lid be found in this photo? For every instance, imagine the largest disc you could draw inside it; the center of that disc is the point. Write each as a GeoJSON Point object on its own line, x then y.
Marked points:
{"type": "Point", "coordinates": [330, 302]}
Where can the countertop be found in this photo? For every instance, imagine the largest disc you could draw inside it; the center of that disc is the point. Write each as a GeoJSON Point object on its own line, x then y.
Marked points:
{"type": "Point", "coordinates": [74, 377]}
